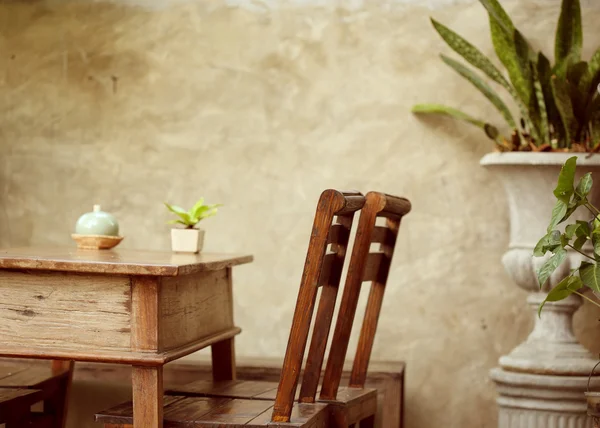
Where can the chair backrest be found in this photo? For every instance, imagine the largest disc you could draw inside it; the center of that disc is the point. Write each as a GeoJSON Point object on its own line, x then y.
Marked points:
{"type": "Point", "coordinates": [364, 266]}
{"type": "Point", "coordinates": [323, 268]}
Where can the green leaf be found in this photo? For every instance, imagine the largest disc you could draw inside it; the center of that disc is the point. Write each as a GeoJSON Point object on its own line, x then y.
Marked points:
{"type": "Point", "coordinates": [558, 214]}
{"type": "Point", "coordinates": [196, 208]}
{"type": "Point", "coordinates": [496, 11]}
{"type": "Point", "coordinates": [564, 106]}
{"type": "Point", "coordinates": [470, 53]}
{"type": "Point", "coordinates": [509, 49]}
{"type": "Point", "coordinates": [485, 89]}
{"type": "Point", "coordinates": [183, 214]}
{"type": "Point", "coordinates": [550, 265]}
{"type": "Point", "coordinates": [584, 228]}
{"type": "Point", "coordinates": [541, 104]}
{"type": "Point", "coordinates": [596, 244]}
{"type": "Point", "coordinates": [549, 242]}
{"type": "Point", "coordinates": [564, 188]}
{"type": "Point", "coordinates": [544, 73]}
{"type": "Point", "coordinates": [590, 275]}
{"type": "Point", "coordinates": [562, 290]}
{"type": "Point", "coordinates": [569, 35]}
{"type": "Point", "coordinates": [591, 76]}
{"type": "Point", "coordinates": [584, 186]}
{"type": "Point", "coordinates": [210, 211]}
{"type": "Point", "coordinates": [177, 222]}
{"type": "Point", "coordinates": [571, 230]}
{"type": "Point", "coordinates": [594, 130]}
{"type": "Point", "coordinates": [575, 72]}
{"type": "Point", "coordinates": [579, 242]}
{"type": "Point", "coordinates": [513, 51]}
{"type": "Point", "coordinates": [456, 114]}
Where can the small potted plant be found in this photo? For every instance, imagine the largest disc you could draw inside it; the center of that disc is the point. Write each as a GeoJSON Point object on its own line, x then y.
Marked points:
{"type": "Point", "coordinates": [190, 239]}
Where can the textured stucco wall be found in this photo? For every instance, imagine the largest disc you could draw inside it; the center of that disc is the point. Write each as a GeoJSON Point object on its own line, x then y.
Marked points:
{"type": "Point", "coordinates": [129, 106]}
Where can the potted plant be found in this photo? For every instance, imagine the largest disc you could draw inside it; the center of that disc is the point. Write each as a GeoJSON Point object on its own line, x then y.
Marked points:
{"type": "Point", "coordinates": [555, 110]}
{"type": "Point", "coordinates": [190, 239]}
{"type": "Point", "coordinates": [581, 236]}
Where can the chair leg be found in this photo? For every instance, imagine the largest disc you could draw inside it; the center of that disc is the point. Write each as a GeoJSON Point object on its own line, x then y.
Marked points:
{"type": "Point", "coordinates": [57, 405]}
{"type": "Point", "coordinates": [368, 422]}
{"type": "Point", "coordinates": [223, 360]}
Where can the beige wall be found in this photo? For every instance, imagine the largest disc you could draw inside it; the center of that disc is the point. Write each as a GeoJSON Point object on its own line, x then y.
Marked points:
{"type": "Point", "coordinates": [128, 107]}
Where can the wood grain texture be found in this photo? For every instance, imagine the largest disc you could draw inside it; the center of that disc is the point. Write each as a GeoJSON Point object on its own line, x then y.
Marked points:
{"type": "Point", "coordinates": [257, 375]}
{"type": "Point", "coordinates": [374, 302]}
{"type": "Point", "coordinates": [194, 306]}
{"type": "Point", "coordinates": [117, 261]}
{"type": "Point", "coordinates": [331, 203]}
{"type": "Point", "coordinates": [147, 385]}
{"type": "Point", "coordinates": [45, 311]}
{"type": "Point", "coordinates": [322, 323]}
{"type": "Point", "coordinates": [204, 412]}
{"type": "Point", "coordinates": [146, 294]}
{"type": "Point", "coordinates": [120, 357]}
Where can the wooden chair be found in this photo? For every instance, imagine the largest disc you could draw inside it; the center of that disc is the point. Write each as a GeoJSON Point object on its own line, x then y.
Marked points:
{"type": "Point", "coordinates": [15, 406]}
{"type": "Point", "coordinates": [50, 384]}
{"type": "Point", "coordinates": [322, 269]}
{"type": "Point", "coordinates": [352, 403]}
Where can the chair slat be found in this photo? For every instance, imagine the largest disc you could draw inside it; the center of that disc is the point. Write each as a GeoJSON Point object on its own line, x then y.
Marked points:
{"type": "Point", "coordinates": [380, 234]}
{"type": "Point", "coordinates": [328, 263]}
{"type": "Point", "coordinates": [334, 233]}
{"type": "Point", "coordinates": [372, 267]}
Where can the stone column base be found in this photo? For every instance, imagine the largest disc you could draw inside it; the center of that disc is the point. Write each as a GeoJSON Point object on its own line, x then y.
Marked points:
{"type": "Point", "coordinates": [542, 401]}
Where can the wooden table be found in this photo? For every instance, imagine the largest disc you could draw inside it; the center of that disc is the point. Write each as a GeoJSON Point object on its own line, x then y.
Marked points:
{"type": "Point", "coordinates": [140, 308]}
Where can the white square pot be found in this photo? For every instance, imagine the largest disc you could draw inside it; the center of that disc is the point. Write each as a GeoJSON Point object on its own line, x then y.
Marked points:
{"type": "Point", "coordinates": [187, 240]}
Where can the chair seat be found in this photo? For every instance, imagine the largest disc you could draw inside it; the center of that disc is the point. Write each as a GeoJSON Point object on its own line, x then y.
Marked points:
{"type": "Point", "coordinates": [351, 404]}
{"type": "Point", "coordinates": [260, 390]}
{"type": "Point", "coordinates": [24, 375]}
{"type": "Point", "coordinates": [181, 411]}
{"type": "Point", "coordinates": [16, 401]}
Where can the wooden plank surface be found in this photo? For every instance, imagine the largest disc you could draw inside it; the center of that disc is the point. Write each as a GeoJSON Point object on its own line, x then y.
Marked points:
{"type": "Point", "coordinates": [147, 386]}
{"type": "Point", "coordinates": [116, 261]}
{"type": "Point", "coordinates": [193, 307]}
{"type": "Point", "coordinates": [118, 356]}
{"type": "Point", "coordinates": [57, 311]}
{"type": "Point", "coordinates": [145, 307]}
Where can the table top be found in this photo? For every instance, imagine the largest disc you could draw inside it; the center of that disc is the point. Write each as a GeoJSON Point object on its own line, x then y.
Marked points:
{"type": "Point", "coordinates": [115, 261]}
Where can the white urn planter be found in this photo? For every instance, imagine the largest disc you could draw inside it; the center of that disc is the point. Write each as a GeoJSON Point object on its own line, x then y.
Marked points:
{"type": "Point", "coordinates": [551, 352]}
{"type": "Point", "coordinates": [187, 240]}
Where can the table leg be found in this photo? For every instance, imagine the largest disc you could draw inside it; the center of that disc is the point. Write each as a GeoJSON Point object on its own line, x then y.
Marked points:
{"type": "Point", "coordinates": [58, 404]}
{"type": "Point", "coordinates": [147, 385]}
{"type": "Point", "coordinates": [223, 360]}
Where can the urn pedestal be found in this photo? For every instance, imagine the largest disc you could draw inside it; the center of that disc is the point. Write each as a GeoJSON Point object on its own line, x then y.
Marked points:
{"type": "Point", "coordinates": [541, 383]}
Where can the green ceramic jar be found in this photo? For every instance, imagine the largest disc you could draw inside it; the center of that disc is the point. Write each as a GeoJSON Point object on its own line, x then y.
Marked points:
{"type": "Point", "coordinates": [97, 222]}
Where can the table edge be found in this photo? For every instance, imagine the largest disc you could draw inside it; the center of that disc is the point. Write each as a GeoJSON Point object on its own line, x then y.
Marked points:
{"type": "Point", "coordinates": [122, 268]}
{"type": "Point", "coordinates": [122, 357]}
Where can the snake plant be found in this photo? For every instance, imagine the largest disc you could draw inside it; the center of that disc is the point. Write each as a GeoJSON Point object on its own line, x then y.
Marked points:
{"type": "Point", "coordinates": [558, 104]}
